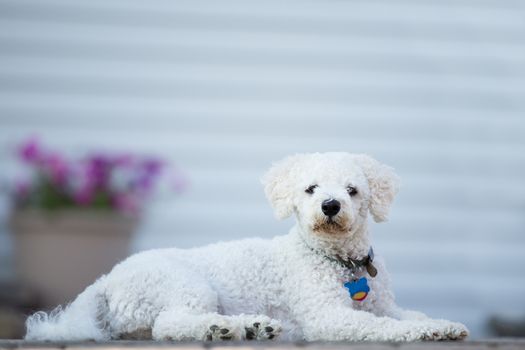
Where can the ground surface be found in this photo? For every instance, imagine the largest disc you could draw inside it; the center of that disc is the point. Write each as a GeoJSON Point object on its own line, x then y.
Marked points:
{"type": "Point", "coordinates": [120, 345]}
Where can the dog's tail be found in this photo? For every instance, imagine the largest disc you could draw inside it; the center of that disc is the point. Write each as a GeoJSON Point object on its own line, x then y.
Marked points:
{"type": "Point", "coordinates": [83, 319]}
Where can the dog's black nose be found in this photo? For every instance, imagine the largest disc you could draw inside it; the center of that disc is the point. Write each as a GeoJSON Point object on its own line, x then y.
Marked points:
{"type": "Point", "coordinates": [331, 207]}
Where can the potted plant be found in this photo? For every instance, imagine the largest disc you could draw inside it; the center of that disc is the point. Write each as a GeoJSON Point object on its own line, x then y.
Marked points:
{"type": "Point", "coordinates": [73, 218]}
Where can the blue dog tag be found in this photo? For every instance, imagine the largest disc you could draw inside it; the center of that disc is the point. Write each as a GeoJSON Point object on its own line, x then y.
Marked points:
{"type": "Point", "coordinates": [358, 289]}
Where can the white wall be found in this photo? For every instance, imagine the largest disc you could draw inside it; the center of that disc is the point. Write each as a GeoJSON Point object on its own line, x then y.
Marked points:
{"type": "Point", "coordinates": [435, 88]}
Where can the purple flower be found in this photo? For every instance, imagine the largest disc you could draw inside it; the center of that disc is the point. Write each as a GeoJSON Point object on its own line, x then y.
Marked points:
{"type": "Point", "coordinates": [98, 168]}
{"type": "Point", "coordinates": [148, 171]}
{"type": "Point", "coordinates": [122, 182]}
{"type": "Point", "coordinates": [30, 151]}
{"type": "Point", "coordinates": [57, 168]}
{"type": "Point", "coordinates": [152, 166]}
{"type": "Point", "coordinates": [80, 185]}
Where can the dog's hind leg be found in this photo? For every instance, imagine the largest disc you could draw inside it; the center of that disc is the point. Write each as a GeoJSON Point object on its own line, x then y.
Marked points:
{"type": "Point", "coordinates": [191, 312]}
{"type": "Point", "coordinates": [185, 324]}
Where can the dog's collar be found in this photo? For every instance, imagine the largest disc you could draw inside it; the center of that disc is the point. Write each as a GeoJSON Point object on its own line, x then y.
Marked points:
{"type": "Point", "coordinates": [355, 264]}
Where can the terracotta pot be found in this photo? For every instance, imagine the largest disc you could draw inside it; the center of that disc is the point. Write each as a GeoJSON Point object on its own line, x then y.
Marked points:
{"type": "Point", "coordinates": [59, 253]}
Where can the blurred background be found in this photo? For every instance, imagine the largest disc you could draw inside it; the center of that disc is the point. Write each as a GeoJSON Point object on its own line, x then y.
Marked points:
{"type": "Point", "coordinates": [220, 89]}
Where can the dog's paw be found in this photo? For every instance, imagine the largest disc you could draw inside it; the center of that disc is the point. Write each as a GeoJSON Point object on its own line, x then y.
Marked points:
{"type": "Point", "coordinates": [455, 330]}
{"type": "Point", "coordinates": [222, 332]}
{"type": "Point", "coordinates": [442, 330]}
{"type": "Point", "coordinates": [263, 328]}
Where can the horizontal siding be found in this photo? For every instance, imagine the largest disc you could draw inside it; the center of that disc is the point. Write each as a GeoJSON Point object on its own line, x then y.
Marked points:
{"type": "Point", "coordinates": [347, 93]}
{"type": "Point", "coordinates": [82, 73]}
{"type": "Point", "coordinates": [421, 62]}
{"type": "Point", "coordinates": [293, 45]}
{"type": "Point", "coordinates": [485, 15]}
{"type": "Point", "coordinates": [480, 160]}
{"type": "Point", "coordinates": [434, 88]}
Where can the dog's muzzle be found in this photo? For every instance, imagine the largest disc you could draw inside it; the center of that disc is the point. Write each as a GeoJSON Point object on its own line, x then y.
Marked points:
{"type": "Point", "coordinates": [330, 207]}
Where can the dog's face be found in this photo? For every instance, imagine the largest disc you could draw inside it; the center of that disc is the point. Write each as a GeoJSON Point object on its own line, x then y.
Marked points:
{"type": "Point", "coordinates": [331, 193]}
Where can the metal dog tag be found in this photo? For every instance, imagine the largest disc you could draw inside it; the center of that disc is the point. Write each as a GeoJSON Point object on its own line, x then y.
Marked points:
{"type": "Point", "coordinates": [371, 269]}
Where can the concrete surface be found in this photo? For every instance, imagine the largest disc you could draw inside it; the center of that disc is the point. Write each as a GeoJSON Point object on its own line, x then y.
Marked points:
{"type": "Point", "coordinates": [490, 344]}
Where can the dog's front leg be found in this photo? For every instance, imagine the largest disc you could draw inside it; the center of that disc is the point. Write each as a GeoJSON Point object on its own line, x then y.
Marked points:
{"type": "Point", "coordinates": [444, 329]}
{"type": "Point", "coordinates": [341, 323]}
{"type": "Point", "coordinates": [324, 312]}
{"type": "Point", "coordinates": [384, 305]}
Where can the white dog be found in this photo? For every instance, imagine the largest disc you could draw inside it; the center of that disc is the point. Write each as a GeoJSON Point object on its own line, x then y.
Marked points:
{"type": "Point", "coordinates": [319, 282]}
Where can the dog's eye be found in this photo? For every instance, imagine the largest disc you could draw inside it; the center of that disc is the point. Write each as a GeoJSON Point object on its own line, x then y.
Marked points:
{"type": "Point", "coordinates": [351, 190]}
{"type": "Point", "coordinates": [311, 189]}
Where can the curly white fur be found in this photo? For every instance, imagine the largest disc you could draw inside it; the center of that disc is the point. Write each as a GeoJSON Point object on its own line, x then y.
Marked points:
{"type": "Point", "coordinates": [255, 288]}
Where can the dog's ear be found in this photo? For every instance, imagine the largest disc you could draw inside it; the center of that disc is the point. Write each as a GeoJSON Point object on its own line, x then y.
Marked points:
{"type": "Point", "coordinates": [278, 185]}
{"type": "Point", "coordinates": [383, 183]}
